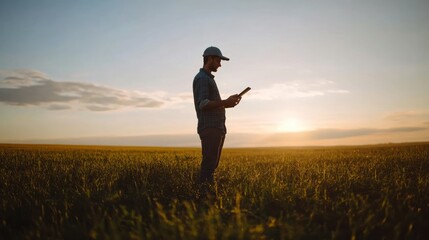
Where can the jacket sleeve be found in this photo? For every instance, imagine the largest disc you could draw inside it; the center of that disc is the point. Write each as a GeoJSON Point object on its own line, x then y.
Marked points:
{"type": "Point", "coordinates": [202, 92]}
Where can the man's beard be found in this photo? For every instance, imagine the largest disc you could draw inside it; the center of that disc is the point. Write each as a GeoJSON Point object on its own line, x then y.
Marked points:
{"type": "Point", "coordinates": [214, 69]}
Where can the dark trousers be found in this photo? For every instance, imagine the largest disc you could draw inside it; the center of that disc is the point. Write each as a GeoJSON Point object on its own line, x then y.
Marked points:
{"type": "Point", "coordinates": [211, 142]}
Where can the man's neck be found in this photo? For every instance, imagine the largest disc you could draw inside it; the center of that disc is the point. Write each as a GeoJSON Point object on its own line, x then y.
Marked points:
{"type": "Point", "coordinates": [207, 69]}
{"type": "Point", "coordinates": [209, 72]}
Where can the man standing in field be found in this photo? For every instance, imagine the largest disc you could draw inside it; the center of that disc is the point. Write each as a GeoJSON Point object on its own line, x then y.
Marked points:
{"type": "Point", "coordinates": [210, 110]}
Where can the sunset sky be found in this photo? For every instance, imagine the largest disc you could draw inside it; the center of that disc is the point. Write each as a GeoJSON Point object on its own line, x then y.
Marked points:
{"type": "Point", "coordinates": [120, 72]}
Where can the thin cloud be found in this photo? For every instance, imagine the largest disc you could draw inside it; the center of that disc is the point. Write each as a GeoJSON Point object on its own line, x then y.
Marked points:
{"type": "Point", "coordinates": [97, 108]}
{"type": "Point", "coordinates": [345, 133]}
{"type": "Point", "coordinates": [58, 107]}
{"type": "Point", "coordinates": [34, 88]}
{"type": "Point", "coordinates": [297, 89]}
{"type": "Point", "coordinates": [408, 116]}
{"type": "Point", "coordinates": [237, 139]}
{"type": "Point", "coordinates": [167, 140]}
{"type": "Point", "coordinates": [337, 136]}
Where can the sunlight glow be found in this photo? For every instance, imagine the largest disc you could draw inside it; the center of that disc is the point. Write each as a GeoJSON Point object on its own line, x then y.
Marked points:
{"type": "Point", "coordinates": [292, 125]}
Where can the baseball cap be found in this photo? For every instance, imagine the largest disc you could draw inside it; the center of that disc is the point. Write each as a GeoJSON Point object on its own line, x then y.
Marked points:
{"type": "Point", "coordinates": [214, 51]}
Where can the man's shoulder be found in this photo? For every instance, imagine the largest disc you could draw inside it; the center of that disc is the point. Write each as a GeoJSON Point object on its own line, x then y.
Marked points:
{"type": "Point", "coordinates": [201, 76]}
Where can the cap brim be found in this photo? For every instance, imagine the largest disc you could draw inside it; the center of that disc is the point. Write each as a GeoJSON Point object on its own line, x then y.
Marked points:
{"type": "Point", "coordinates": [224, 58]}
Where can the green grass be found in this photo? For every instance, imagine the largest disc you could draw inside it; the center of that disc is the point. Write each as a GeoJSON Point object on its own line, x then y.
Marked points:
{"type": "Point", "coordinates": [76, 192]}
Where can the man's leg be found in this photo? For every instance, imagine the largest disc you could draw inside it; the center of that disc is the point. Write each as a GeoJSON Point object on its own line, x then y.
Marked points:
{"type": "Point", "coordinates": [212, 142]}
{"type": "Point", "coordinates": [220, 150]}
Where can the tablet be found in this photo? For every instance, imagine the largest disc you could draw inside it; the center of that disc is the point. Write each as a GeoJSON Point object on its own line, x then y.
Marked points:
{"type": "Point", "coordinates": [244, 91]}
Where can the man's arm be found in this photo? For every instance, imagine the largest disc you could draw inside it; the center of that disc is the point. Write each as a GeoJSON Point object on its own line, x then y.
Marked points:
{"type": "Point", "coordinates": [230, 102]}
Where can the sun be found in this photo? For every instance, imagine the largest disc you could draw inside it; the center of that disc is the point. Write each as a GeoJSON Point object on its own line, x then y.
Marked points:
{"type": "Point", "coordinates": [291, 125]}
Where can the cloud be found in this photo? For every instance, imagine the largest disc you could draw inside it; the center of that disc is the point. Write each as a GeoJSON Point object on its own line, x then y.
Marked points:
{"type": "Point", "coordinates": [34, 88]}
{"type": "Point", "coordinates": [58, 107]}
{"type": "Point", "coordinates": [406, 117]}
{"type": "Point", "coordinates": [316, 137]}
{"type": "Point", "coordinates": [97, 108]}
{"type": "Point", "coordinates": [297, 89]}
{"type": "Point", "coordinates": [167, 140]}
{"type": "Point", "coordinates": [339, 137]}
{"type": "Point", "coordinates": [345, 133]}
{"type": "Point", "coordinates": [340, 134]}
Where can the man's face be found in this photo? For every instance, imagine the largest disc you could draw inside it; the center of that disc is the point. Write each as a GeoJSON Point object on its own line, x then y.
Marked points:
{"type": "Point", "coordinates": [215, 63]}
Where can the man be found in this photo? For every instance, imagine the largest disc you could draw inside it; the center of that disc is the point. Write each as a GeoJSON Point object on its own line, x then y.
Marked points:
{"type": "Point", "coordinates": [210, 110]}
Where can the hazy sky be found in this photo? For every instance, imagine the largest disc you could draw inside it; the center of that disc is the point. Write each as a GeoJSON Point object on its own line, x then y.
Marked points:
{"type": "Point", "coordinates": [120, 72]}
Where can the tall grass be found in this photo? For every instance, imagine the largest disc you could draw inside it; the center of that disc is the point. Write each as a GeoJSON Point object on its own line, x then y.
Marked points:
{"type": "Point", "coordinates": [71, 192]}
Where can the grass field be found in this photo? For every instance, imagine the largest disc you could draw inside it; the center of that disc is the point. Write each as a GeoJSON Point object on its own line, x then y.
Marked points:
{"type": "Point", "coordinates": [72, 192]}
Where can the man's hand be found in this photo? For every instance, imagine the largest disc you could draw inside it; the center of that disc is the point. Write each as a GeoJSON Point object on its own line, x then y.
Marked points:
{"type": "Point", "coordinates": [232, 101]}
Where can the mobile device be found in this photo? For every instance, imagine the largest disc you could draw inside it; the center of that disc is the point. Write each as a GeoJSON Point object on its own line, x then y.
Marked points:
{"type": "Point", "coordinates": [244, 91]}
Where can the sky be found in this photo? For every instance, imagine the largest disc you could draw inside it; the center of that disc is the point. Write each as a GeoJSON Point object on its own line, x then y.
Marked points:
{"type": "Point", "coordinates": [120, 72]}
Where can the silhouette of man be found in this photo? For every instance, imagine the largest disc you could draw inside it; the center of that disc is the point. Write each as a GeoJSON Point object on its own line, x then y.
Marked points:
{"type": "Point", "coordinates": [210, 109]}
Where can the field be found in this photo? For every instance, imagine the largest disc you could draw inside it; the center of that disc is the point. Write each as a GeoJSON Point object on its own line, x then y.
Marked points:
{"type": "Point", "coordinates": [77, 192]}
